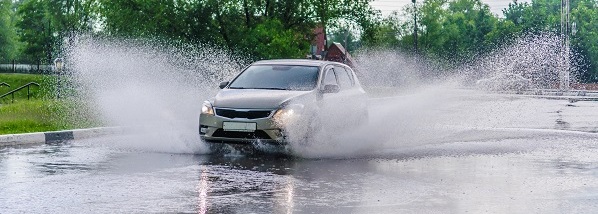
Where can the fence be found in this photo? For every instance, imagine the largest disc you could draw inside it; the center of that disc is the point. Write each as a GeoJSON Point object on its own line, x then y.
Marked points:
{"type": "Point", "coordinates": [25, 68]}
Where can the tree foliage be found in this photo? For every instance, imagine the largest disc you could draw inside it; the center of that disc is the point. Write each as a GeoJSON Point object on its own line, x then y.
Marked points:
{"type": "Point", "coordinates": [43, 24]}
{"type": "Point", "coordinates": [545, 15]}
{"type": "Point", "coordinates": [448, 30]}
{"type": "Point", "coordinates": [258, 28]}
{"type": "Point", "coordinates": [7, 32]}
{"type": "Point", "coordinates": [34, 31]}
{"type": "Point", "coordinates": [452, 31]}
{"type": "Point", "coordinates": [585, 15]}
{"type": "Point", "coordinates": [457, 29]}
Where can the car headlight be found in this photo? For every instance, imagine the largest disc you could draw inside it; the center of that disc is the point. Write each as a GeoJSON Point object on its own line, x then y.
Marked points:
{"type": "Point", "coordinates": [287, 114]}
{"type": "Point", "coordinates": [206, 108]}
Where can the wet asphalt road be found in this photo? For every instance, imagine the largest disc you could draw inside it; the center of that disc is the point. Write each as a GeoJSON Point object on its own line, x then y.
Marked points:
{"type": "Point", "coordinates": [80, 177]}
{"type": "Point", "coordinates": [524, 169]}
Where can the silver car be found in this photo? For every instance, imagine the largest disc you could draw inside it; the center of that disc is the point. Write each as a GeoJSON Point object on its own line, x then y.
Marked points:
{"type": "Point", "coordinates": [262, 102]}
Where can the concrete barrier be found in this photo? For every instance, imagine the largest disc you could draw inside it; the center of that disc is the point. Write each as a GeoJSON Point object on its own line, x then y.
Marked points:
{"type": "Point", "coordinates": [56, 136]}
{"type": "Point", "coordinates": [22, 139]}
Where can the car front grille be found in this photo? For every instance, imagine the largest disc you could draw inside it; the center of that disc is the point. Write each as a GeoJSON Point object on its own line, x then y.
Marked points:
{"type": "Point", "coordinates": [236, 113]}
{"type": "Point", "coordinates": [258, 134]}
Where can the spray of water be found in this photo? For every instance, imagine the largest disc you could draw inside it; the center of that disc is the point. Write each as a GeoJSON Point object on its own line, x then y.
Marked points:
{"type": "Point", "coordinates": [540, 58]}
{"type": "Point", "coordinates": [152, 88]}
{"type": "Point", "coordinates": [432, 105]}
{"type": "Point", "coordinates": [157, 88]}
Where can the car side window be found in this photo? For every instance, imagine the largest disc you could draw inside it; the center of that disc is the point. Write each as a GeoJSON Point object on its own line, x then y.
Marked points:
{"type": "Point", "coordinates": [350, 73]}
{"type": "Point", "coordinates": [329, 78]}
{"type": "Point", "coordinates": [343, 78]}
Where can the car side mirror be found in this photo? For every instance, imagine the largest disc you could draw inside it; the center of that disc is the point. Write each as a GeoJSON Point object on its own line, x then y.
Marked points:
{"type": "Point", "coordinates": [223, 84]}
{"type": "Point", "coordinates": [331, 89]}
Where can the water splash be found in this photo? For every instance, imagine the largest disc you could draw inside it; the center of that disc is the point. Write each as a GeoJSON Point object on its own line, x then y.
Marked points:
{"type": "Point", "coordinates": [540, 58]}
{"type": "Point", "coordinates": [428, 104]}
{"type": "Point", "coordinates": [154, 88]}
{"type": "Point", "coordinates": [157, 88]}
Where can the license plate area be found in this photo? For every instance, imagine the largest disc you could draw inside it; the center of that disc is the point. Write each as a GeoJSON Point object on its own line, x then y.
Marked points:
{"type": "Point", "coordinates": [239, 126]}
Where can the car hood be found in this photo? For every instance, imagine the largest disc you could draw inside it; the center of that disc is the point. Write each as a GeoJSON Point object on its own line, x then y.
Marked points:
{"type": "Point", "coordinates": [255, 98]}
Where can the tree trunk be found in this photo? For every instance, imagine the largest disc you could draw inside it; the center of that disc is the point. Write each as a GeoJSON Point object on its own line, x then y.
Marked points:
{"type": "Point", "coordinates": [247, 15]}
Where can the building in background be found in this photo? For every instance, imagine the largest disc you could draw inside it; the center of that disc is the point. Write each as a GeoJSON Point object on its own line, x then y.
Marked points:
{"type": "Point", "coordinates": [318, 44]}
{"type": "Point", "coordinates": [337, 53]}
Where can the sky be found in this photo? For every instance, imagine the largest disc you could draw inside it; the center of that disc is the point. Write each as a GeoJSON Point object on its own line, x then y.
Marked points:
{"type": "Point", "coordinates": [387, 6]}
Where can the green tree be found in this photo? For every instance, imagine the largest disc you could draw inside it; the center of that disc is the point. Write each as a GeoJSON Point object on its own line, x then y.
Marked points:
{"type": "Point", "coordinates": [585, 40]}
{"type": "Point", "coordinates": [269, 40]}
{"type": "Point", "coordinates": [43, 25]}
{"type": "Point", "coordinates": [35, 32]}
{"type": "Point", "coordinates": [384, 34]}
{"type": "Point", "coordinates": [544, 16]}
{"type": "Point", "coordinates": [71, 16]}
{"type": "Point", "coordinates": [539, 16]}
{"type": "Point", "coordinates": [8, 44]}
{"type": "Point", "coordinates": [156, 18]}
{"type": "Point", "coordinates": [458, 29]}
{"type": "Point", "coordinates": [247, 26]}
{"type": "Point", "coordinates": [297, 16]}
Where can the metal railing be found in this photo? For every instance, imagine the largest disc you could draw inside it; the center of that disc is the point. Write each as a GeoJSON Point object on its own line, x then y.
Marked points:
{"type": "Point", "coordinates": [28, 85]}
{"type": "Point", "coordinates": [4, 84]}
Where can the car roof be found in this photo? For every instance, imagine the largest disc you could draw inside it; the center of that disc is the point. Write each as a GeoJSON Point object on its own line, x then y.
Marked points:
{"type": "Point", "coordinates": [305, 62]}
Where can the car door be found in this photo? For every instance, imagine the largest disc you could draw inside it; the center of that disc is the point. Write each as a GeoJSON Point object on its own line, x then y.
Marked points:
{"type": "Point", "coordinates": [339, 109]}
{"type": "Point", "coordinates": [329, 102]}
{"type": "Point", "coordinates": [349, 84]}
{"type": "Point", "coordinates": [351, 97]}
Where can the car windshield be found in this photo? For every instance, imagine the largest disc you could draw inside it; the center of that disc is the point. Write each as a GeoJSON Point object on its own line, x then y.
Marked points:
{"type": "Point", "coordinates": [277, 77]}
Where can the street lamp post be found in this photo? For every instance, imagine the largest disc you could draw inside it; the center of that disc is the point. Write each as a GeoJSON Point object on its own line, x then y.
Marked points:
{"type": "Point", "coordinates": [566, 29]}
{"type": "Point", "coordinates": [58, 65]}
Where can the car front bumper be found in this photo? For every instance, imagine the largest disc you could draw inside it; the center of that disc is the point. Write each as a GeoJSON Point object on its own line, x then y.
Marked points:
{"type": "Point", "coordinates": [211, 131]}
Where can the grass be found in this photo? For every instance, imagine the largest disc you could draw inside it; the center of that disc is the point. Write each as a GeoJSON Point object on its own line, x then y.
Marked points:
{"type": "Point", "coordinates": [28, 116]}
{"type": "Point", "coordinates": [42, 112]}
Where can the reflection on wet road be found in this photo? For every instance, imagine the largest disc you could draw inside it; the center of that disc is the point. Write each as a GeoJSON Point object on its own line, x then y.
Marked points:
{"type": "Point", "coordinates": [87, 177]}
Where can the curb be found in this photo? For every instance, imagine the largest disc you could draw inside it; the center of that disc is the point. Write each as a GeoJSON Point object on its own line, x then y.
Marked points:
{"type": "Point", "coordinates": [57, 136]}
